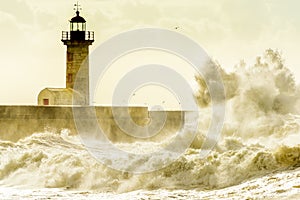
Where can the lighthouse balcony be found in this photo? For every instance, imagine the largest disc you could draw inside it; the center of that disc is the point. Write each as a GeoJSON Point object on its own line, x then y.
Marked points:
{"type": "Point", "coordinates": [77, 35]}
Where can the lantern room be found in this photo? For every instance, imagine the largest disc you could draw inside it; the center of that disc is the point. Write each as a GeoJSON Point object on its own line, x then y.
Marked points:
{"type": "Point", "coordinates": [77, 23]}
{"type": "Point", "coordinates": [77, 27]}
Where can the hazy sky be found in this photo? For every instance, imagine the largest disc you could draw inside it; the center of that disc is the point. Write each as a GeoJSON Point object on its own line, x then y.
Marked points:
{"type": "Point", "coordinates": [33, 57]}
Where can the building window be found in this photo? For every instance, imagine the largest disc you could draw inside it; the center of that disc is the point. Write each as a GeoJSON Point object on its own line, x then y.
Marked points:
{"type": "Point", "coordinates": [46, 102]}
{"type": "Point", "coordinates": [70, 78]}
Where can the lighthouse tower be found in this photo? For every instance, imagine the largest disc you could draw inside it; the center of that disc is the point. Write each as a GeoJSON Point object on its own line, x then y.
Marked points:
{"type": "Point", "coordinates": [78, 41]}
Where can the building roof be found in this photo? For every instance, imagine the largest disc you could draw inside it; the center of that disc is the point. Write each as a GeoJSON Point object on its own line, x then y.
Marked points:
{"type": "Point", "coordinates": [60, 92]}
{"type": "Point", "coordinates": [59, 89]}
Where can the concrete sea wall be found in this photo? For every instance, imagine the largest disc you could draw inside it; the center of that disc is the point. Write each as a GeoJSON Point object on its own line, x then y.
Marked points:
{"type": "Point", "coordinates": [17, 122]}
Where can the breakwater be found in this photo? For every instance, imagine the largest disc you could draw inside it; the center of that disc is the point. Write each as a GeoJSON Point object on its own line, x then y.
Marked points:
{"type": "Point", "coordinates": [17, 122]}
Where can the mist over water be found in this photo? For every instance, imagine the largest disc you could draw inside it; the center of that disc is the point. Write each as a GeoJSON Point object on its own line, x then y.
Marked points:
{"type": "Point", "coordinates": [260, 137]}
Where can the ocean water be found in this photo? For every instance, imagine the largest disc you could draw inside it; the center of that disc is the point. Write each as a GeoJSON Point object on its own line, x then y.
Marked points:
{"type": "Point", "coordinates": [256, 157]}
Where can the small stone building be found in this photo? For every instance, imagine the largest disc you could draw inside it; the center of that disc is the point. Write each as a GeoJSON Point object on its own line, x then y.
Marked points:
{"type": "Point", "coordinates": [59, 96]}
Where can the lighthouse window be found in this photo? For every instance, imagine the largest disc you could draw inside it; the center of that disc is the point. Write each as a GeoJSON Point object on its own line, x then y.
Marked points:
{"type": "Point", "coordinates": [70, 78]}
{"type": "Point", "coordinates": [70, 56]}
{"type": "Point", "coordinates": [77, 26]}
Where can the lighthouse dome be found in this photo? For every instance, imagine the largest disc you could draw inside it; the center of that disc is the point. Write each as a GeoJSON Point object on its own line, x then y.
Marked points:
{"type": "Point", "coordinates": [78, 18]}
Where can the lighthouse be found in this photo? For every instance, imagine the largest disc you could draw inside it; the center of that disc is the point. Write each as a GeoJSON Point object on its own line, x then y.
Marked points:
{"type": "Point", "coordinates": [77, 40]}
